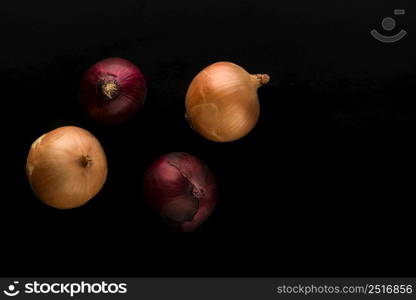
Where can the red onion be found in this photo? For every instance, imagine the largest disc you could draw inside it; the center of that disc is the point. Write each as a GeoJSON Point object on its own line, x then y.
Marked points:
{"type": "Point", "coordinates": [112, 90]}
{"type": "Point", "coordinates": [181, 189]}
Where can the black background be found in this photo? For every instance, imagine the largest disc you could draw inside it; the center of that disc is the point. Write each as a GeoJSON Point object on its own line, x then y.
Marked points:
{"type": "Point", "coordinates": [323, 186]}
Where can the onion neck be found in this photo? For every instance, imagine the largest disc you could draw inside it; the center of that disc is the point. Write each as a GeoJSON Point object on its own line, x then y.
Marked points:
{"type": "Point", "coordinates": [85, 161]}
{"type": "Point", "coordinates": [261, 79]}
{"type": "Point", "coordinates": [110, 89]}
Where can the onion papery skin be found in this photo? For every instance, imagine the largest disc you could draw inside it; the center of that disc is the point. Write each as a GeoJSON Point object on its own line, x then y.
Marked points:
{"type": "Point", "coordinates": [66, 167]}
{"type": "Point", "coordinates": [112, 91]}
{"type": "Point", "coordinates": [222, 102]}
{"type": "Point", "coordinates": [181, 190]}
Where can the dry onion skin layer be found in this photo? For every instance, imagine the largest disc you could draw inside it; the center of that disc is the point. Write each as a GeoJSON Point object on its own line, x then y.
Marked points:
{"type": "Point", "coordinates": [222, 102]}
{"type": "Point", "coordinates": [66, 167]}
{"type": "Point", "coordinates": [112, 90]}
{"type": "Point", "coordinates": [181, 190]}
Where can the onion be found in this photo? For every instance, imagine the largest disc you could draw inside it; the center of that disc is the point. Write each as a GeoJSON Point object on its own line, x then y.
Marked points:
{"type": "Point", "coordinates": [222, 103]}
{"type": "Point", "coordinates": [181, 189]}
{"type": "Point", "coordinates": [66, 167]}
{"type": "Point", "coordinates": [112, 90]}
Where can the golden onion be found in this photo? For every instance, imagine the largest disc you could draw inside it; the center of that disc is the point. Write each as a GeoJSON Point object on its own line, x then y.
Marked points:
{"type": "Point", "coordinates": [66, 167]}
{"type": "Point", "coordinates": [222, 102]}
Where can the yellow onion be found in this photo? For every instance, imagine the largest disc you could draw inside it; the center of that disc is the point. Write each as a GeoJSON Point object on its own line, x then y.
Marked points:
{"type": "Point", "coordinates": [66, 167]}
{"type": "Point", "coordinates": [222, 103]}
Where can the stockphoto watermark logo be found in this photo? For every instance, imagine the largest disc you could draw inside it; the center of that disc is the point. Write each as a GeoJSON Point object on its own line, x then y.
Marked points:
{"type": "Point", "coordinates": [12, 290]}
{"type": "Point", "coordinates": [64, 288]}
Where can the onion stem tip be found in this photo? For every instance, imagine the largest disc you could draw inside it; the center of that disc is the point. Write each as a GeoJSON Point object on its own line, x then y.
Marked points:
{"type": "Point", "coordinates": [263, 79]}
{"type": "Point", "coordinates": [85, 161]}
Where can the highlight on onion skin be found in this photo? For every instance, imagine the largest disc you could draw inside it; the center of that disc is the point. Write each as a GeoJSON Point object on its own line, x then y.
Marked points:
{"type": "Point", "coordinates": [66, 167]}
{"type": "Point", "coordinates": [112, 90]}
{"type": "Point", "coordinates": [222, 102]}
{"type": "Point", "coordinates": [181, 189]}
